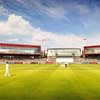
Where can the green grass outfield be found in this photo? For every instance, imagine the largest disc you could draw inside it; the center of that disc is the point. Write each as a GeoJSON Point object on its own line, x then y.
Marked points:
{"type": "Point", "coordinates": [50, 82]}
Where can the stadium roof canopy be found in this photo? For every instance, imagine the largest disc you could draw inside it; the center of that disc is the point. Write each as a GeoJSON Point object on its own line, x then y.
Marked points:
{"type": "Point", "coordinates": [20, 45]}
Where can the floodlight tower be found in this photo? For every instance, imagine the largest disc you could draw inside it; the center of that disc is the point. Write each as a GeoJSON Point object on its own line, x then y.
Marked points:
{"type": "Point", "coordinates": [85, 42]}
{"type": "Point", "coordinates": [43, 44]}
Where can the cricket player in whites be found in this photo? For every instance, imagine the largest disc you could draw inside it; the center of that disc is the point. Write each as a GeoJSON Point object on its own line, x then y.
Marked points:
{"type": "Point", "coordinates": [7, 70]}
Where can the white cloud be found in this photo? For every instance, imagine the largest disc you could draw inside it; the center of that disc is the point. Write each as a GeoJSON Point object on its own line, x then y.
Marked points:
{"type": "Point", "coordinates": [82, 9]}
{"type": "Point", "coordinates": [58, 40]}
{"type": "Point", "coordinates": [3, 11]}
{"type": "Point", "coordinates": [57, 12]}
{"type": "Point", "coordinates": [52, 10]}
{"type": "Point", "coordinates": [16, 25]}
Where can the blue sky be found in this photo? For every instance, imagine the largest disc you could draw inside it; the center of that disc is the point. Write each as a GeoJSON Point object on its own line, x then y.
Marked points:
{"type": "Point", "coordinates": [62, 23]}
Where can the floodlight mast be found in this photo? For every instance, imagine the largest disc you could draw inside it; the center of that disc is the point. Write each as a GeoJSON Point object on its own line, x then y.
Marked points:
{"type": "Point", "coordinates": [43, 44]}
{"type": "Point", "coordinates": [85, 43]}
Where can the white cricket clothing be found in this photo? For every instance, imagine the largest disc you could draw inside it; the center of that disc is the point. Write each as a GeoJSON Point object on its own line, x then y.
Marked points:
{"type": "Point", "coordinates": [7, 70]}
{"type": "Point", "coordinates": [7, 65]}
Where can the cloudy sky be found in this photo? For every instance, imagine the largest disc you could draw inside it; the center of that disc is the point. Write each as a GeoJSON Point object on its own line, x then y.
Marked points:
{"type": "Point", "coordinates": [59, 23]}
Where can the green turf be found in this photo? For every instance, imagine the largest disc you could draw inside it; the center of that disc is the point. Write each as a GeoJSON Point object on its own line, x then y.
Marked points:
{"type": "Point", "coordinates": [50, 82]}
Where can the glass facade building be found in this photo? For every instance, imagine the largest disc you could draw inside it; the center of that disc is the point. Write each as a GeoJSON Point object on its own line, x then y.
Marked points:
{"type": "Point", "coordinates": [19, 50]}
{"type": "Point", "coordinates": [92, 51]}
